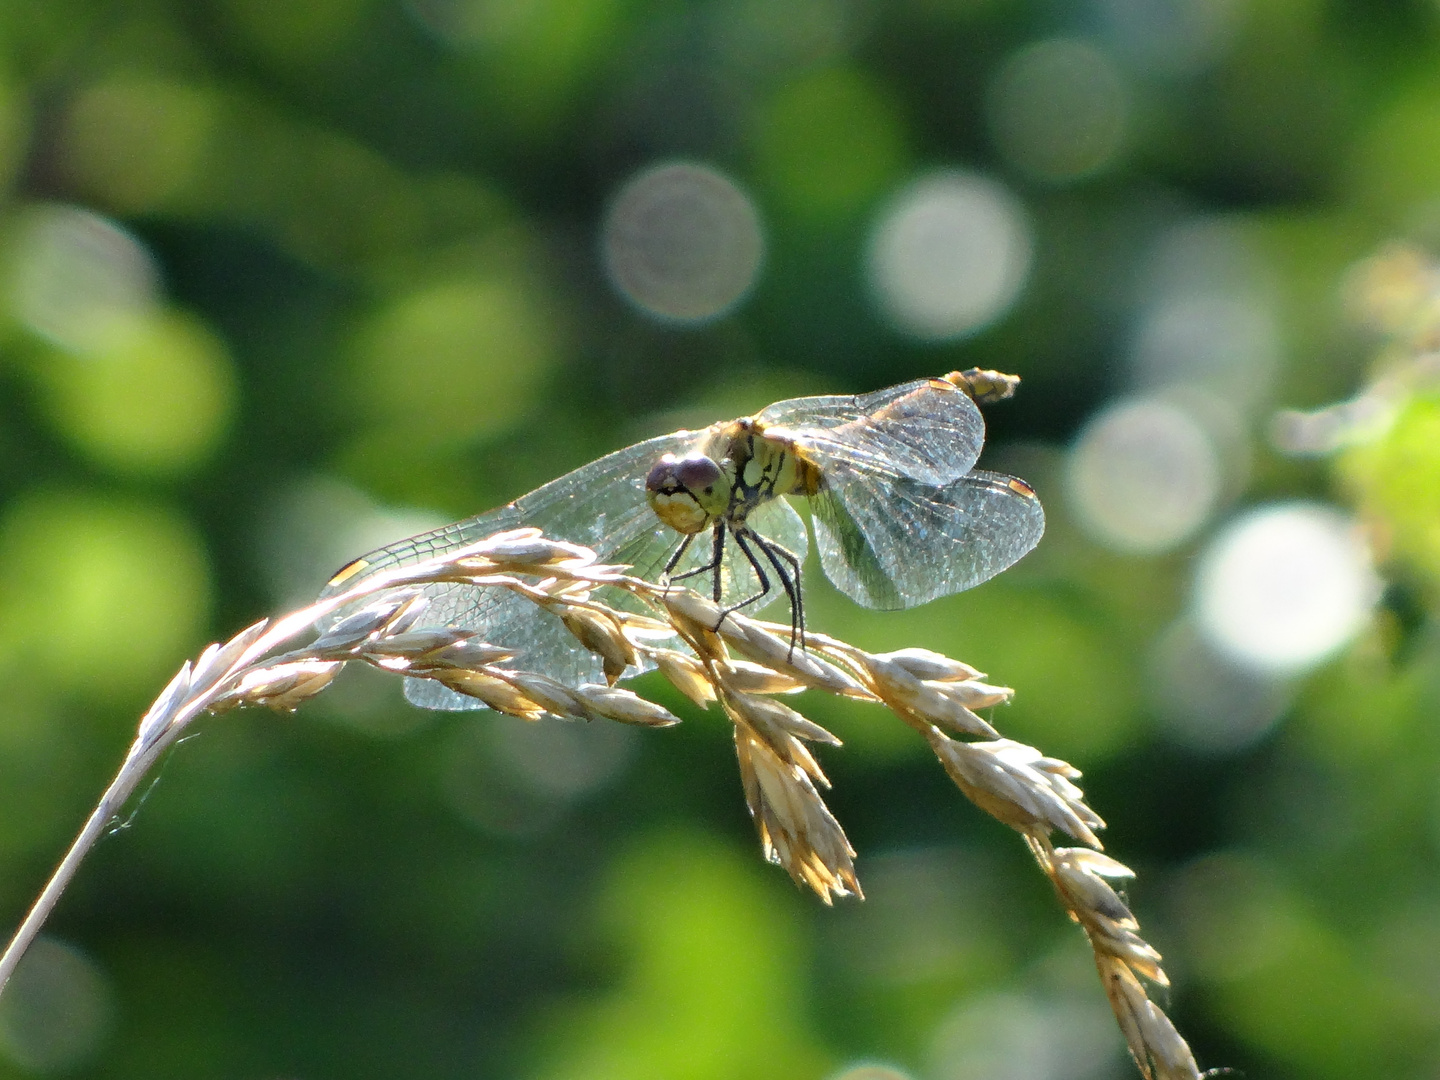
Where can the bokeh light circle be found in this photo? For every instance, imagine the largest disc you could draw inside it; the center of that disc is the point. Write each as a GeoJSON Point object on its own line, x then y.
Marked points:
{"type": "Point", "coordinates": [1011, 1036]}
{"type": "Point", "coordinates": [1175, 38]}
{"type": "Point", "coordinates": [455, 358]}
{"type": "Point", "coordinates": [1284, 587]}
{"type": "Point", "coordinates": [1227, 344]}
{"type": "Point", "coordinates": [871, 1072]}
{"type": "Point", "coordinates": [100, 593]}
{"type": "Point", "coordinates": [828, 143]}
{"type": "Point", "coordinates": [949, 255]}
{"type": "Point", "coordinates": [77, 277]}
{"type": "Point", "coordinates": [156, 396]}
{"type": "Point", "coordinates": [313, 524]}
{"type": "Point", "coordinates": [1208, 315]}
{"type": "Point", "coordinates": [560, 761]}
{"type": "Point", "coordinates": [682, 242]}
{"type": "Point", "coordinates": [1207, 702]}
{"type": "Point", "coordinates": [137, 143]}
{"type": "Point", "coordinates": [1143, 476]}
{"type": "Point", "coordinates": [762, 37]}
{"type": "Point", "coordinates": [57, 1011]}
{"type": "Point", "coordinates": [1058, 110]}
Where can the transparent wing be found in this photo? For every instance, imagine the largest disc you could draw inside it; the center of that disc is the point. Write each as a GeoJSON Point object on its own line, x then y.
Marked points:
{"type": "Point", "coordinates": [925, 430]}
{"type": "Point", "coordinates": [902, 544]}
{"type": "Point", "coordinates": [601, 505]}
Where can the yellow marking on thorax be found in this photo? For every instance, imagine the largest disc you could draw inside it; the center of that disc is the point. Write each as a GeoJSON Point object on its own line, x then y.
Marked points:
{"type": "Point", "coordinates": [765, 466]}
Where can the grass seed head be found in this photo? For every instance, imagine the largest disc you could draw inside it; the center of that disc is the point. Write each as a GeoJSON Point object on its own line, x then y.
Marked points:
{"type": "Point", "coordinates": [470, 653]}
{"type": "Point", "coordinates": [759, 644]}
{"type": "Point", "coordinates": [418, 645]}
{"type": "Point", "coordinates": [377, 617]}
{"type": "Point", "coordinates": [686, 674]}
{"type": "Point", "coordinates": [1011, 781]}
{"type": "Point", "coordinates": [526, 550]}
{"type": "Point", "coordinates": [554, 697]}
{"type": "Point", "coordinates": [767, 714]}
{"type": "Point", "coordinates": [971, 693]}
{"type": "Point", "coordinates": [923, 704]}
{"type": "Point", "coordinates": [604, 637]}
{"type": "Point", "coordinates": [796, 828]}
{"type": "Point", "coordinates": [1157, 1048]}
{"type": "Point", "coordinates": [1004, 779]}
{"type": "Point", "coordinates": [1112, 929]}
{"type": "Point", "coordinates": [750, 678]}
{"type": "Point", "coordinates": [491, 691]}
{"type": "Point", "coordinates": [281, 687]}
{"type": "Point", "coordinates": [925, 664]}
{"type": "Point", "coordinates": [613, 703]}
{"type": "Point", "coordinates": [694, 619]}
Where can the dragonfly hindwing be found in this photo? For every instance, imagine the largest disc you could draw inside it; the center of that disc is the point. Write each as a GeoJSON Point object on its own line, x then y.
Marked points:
{"type": "Point", "coordinates": [849, 560]}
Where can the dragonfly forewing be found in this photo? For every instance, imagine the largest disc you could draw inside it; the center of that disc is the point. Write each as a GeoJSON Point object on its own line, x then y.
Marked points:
{"type": "Point", "coordinates": [926, 430]}
{"type": "Point", "coordinates": [601, 505]}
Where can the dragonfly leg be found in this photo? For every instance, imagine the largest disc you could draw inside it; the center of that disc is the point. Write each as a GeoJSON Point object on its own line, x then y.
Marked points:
{"type": "Point", "coordinates": [740, 538]}
{"type": "Point", "coordinates": [790, 582]}
{"type": "Point", "coordinates": [717, 554]}
{"type": "Point", "coordinates": [675, 558]}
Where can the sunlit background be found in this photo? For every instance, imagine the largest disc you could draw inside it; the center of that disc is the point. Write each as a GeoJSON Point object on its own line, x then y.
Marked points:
{"type": "Point", "coordinates": [280, 282]}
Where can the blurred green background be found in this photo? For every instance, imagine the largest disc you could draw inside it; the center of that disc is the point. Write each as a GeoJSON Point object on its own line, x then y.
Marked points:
{"type": "Point", "coordinates": [282, 282]}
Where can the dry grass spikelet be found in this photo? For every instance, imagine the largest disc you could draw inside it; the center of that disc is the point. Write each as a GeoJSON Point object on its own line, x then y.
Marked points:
{"type": "Point", "coordinates": [711, 657]}
{"type": "Point", "coordinates": [686, 674]}
{"type": "Point", "coordinates": [1018, 785]}
{"type": "Point", "coordinates": [796, 828]}
{"type": "Point", "coordinates": [1157, 1047]}
{"type": "Point", "coordinates": [602, 633]}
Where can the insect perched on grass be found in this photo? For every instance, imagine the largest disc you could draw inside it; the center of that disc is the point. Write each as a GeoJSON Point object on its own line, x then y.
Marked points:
{"type": "Point", "coordinates": [900, 515]}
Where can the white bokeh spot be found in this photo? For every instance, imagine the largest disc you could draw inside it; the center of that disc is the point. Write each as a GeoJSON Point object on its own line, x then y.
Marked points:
{"type": "Point", "coordinates": [682, 242]}
{"type": "Point", "coordinates": [1143, 476]}
{"type": "Point", "coordinates": [949, 255]}
{"type": "Point", "coordinates": [1284, 587]}
{"type": "Point", "coordinates": [1059, 110]}
{"type": "Point", "coordinates": [77, 278]}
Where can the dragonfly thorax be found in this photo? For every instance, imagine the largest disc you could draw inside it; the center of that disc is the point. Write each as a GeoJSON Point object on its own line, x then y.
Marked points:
{"type": "Point", "coordinates": [764, 463]}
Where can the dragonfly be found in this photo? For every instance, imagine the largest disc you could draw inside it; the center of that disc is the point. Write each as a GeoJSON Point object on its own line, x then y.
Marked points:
{"type": "Point", "coordinates": [900, 516]}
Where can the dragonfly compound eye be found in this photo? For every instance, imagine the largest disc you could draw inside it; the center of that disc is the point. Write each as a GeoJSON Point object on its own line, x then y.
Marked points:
{"type": "Point", "coordinates": [684, 492]}
{"type": "Point", "coordinates": [698, 474]}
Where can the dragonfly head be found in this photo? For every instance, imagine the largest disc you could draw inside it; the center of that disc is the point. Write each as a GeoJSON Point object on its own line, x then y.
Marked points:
{"type": "Point", "coordinates": [687, 493]}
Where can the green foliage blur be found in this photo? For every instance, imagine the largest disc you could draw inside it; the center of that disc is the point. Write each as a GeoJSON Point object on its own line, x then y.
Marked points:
{"type": "Point", "coordinates": [282, 282]}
